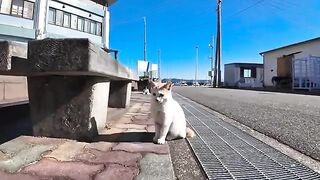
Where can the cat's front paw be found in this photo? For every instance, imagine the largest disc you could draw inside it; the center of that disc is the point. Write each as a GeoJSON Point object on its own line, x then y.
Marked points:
{"type": "Point", "coordinates": [161, 141]}
{"type": "Point", "coordinates": [155, 139]}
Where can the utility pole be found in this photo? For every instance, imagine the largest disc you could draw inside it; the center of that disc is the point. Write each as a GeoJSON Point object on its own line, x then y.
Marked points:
{"type": "Point", "coordinates": [145, 42]}
{"type": "Point", "coordinates": [159, 63]}
{"type": "Point", "coordinates": [196, 74]}
{"type": "Point", "coordinates": [211, 60]}
{"type": "Point", "coordinates": [217, 72]}
{"type": "Point", "coordinates": [145, 39]}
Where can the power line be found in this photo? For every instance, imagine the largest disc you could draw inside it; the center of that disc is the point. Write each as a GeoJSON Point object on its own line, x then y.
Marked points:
{"type": "Point", "coordinates": [245, 9]}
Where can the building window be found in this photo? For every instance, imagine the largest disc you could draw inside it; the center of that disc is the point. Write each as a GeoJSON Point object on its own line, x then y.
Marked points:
{"type": "Point", "coordinates": [87, 25]}
{"type": "Point", "coordinates": [80, 24]}
{"type": "Point", "coordinates": [93, 26]}
{"type": "Point", "coordinates": [17, 8]}
{"type": "Point", "coordinates": [74, 21]}
{"type": "Point", "coordinates": [5, 7]}
{"type": "Point", "coordinates": [28, 9]}
{"type": "Point", "coordinates": [52, 16]}
{"type": "Point", "coordinates": [99, 29]}
{"type": "Point", "coordinates": [59, 18]}
{"type": "Point", "coordinates": [247, 73]}
{"type": "Point", "coordinates": [67, 20]}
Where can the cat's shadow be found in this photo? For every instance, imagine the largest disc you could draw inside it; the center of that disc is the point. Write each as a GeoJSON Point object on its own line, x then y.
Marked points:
{"type": "Point", "coordinates": [126, 137]}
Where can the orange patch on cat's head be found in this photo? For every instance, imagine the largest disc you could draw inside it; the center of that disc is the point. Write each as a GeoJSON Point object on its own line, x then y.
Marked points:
{"type": "Point", "coordinates": [167, 86]}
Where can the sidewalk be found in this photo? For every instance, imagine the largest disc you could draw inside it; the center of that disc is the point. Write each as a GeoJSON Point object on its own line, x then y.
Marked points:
{"type": "Point", "coordinates": [124, 150]}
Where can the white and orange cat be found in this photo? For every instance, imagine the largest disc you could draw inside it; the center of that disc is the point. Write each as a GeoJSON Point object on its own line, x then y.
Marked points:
{"type": "Point", "coordinates": [169, 118]}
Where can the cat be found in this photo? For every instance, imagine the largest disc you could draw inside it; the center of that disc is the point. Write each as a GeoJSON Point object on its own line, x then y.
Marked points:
{"type": "Point", "coordinates": [169, 118]}
{"type": "Point", "coordinates": [146, 91]}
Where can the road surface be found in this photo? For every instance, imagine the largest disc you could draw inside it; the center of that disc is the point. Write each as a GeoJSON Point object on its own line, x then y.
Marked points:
{"type": "Point", "coordinates": [292, 119]}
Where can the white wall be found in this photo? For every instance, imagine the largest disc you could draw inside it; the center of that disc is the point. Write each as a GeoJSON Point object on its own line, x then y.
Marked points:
{"type": "Point", "coordinates": [54, 31]}
{"type": "Point", "coordinates": [16, 21]}
{"type": "Point", "coordinates": [96, 14]}
{"type": "Point", "coordinates": [260, 75]}
{"type": "Point", "coordinates": [229, 75]}
{"type": "Point", "coordinates": [270, 59]}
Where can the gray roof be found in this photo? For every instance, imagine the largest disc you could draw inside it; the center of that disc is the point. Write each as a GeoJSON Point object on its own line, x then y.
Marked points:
{"type": "Point", "coordinates": [104, 2]}
{"type": "Point", "coordinates": [245, 64]}
{"type": "Point", "coordinates": [291, 45]}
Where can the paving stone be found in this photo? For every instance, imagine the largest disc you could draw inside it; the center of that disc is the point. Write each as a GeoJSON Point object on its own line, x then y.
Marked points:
{"type": "Point", "coordinates": [41, 140]}
{"type": "Point", "coordinates": [3, 156]}
{"type": "Point", "coordinates": [66, 151]}
{"type": "Point", "coordinates": [142, 147]}
{"type": "Point", "coordinates": [54, 168]}
{"type": "Point", "coordinates": [145, 107]}
{"type": "Point", "coordinates": [113, 157]}
{"type": "Point", "coordinates": [124, 120]}
{"type": "Point", "coordinates": [24, 157]}
{"type": "Point", "coordinates": [117, 172]}
{"type": "Point", "coordinates": [8, 176]}
{"type": "Point", "coordinates": [136, 106]}
{"type": "Point", "coordinates": [134, 110]}
{"type": "Point", "coordinates": [13, 147]}
{"type": "Point", "coordinates": [142, 120]}
{"type": "Point", "coordinates": [155, 167]}
{"type": "Point", "coordinates": [101, 146]}
{"type": "Point", "coordinates": [136, 130]}
{"type": "Point", "coordinates": [129, 126]}
{"type": "Point", "coordinates": [151, 128]}
{"type": "Point", "coordinates": [113, 130]}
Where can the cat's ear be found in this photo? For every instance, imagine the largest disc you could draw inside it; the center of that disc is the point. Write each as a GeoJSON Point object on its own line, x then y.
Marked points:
{"type": "Point", "coordinates": [169, 85]}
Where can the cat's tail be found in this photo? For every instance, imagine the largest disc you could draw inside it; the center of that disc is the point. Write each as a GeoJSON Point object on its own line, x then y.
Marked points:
{"type": "Point", "coordinates": [190, 133]}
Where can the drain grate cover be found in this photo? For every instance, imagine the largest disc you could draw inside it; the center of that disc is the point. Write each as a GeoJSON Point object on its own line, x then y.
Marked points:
{"type": "Point", "coordinates": [226, 152]}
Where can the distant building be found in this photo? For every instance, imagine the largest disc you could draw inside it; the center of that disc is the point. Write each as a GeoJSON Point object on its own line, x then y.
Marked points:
{"type": "Point", "coordinates": [24, 20]}
{"type": "Point", "coordinates": [278, 62]}
{"type": "Point", "coordinates": [243, 75]}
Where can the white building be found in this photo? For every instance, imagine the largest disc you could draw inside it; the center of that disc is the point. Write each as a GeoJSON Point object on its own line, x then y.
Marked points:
{"type": "Point", "coordinates": [243, 75]}
{"type": "Point", "coordinates": [278, 62]}
{"type": "Point", "coordinates": [24, 20]}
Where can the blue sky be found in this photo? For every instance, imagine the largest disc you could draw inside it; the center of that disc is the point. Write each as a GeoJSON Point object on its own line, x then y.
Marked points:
{"type": "Point", "coordinates": [177, 26]}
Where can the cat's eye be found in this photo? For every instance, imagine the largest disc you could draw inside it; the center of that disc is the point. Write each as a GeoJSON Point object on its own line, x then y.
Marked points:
{"type": "Point", "coordinates": [154, 94]}
{"type": "Point", "coordinates": [161, 95]}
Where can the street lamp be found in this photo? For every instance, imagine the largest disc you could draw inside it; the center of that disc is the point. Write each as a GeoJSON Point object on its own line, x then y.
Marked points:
{"type": "Point", "coordinates": [196, 74]}
{"type": "Point", "coordinates": [211, 60]}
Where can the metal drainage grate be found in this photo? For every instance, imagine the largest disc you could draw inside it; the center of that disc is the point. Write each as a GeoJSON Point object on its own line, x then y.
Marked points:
{"type": "Point", "coordinates": [225, 152]}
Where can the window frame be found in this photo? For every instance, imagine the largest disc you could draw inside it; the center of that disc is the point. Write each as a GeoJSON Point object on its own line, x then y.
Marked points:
{"type": "Point", "coordinates": [23, 7]}
{"type": "Point", "coordinates": [54, 16]}
{"type": "Point", "coordinates": [69, 22]}
{"type": "Point", "coordinates": [16, 15]}
{"type": "Point", "coordinates": [32, 15]}
{"type": "Point", "coordinates": [100, 33]}
{"type": "Point", "coordinates": [82, 25]}
{"type": "Point", "coordinates": [249, 72]}
{"type": "Point", "coordinates": [78, 19]}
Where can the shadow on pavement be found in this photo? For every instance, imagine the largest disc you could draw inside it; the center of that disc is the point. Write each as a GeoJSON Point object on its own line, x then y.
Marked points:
{"type": "Point", "coordinates": [127, 137]}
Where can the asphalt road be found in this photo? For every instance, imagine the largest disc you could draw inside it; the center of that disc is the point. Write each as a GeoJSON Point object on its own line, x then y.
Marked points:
{"type": "Point", "coordinates": [292, 119]}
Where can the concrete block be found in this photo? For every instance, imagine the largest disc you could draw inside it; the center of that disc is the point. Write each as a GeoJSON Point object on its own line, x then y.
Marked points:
{"type": "Point", "coordinates": [73, 107]}
{"type": "Point", "coordinates": [9, 49]}
{"type": "Point", "coordinates": [74, 57]}
{"type": "Point", "coordinates": [120, 94]}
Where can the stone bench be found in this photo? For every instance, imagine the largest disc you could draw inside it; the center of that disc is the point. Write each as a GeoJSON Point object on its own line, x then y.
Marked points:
{"type": "Point", "coordinates": [71, 82]}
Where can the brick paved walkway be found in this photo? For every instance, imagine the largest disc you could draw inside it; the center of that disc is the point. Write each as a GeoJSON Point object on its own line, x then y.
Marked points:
{"type": "Point", "coordinates": [122, 151]}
